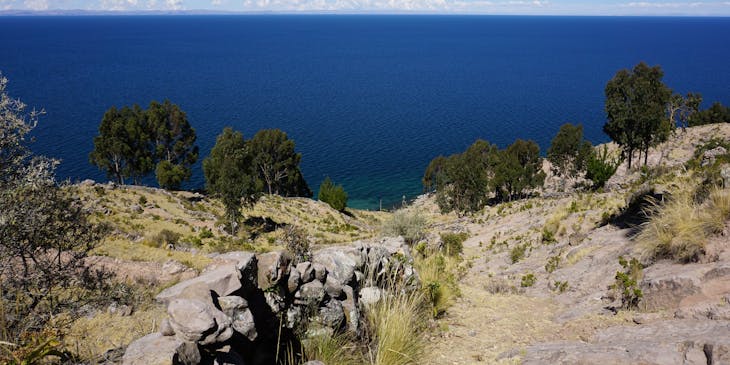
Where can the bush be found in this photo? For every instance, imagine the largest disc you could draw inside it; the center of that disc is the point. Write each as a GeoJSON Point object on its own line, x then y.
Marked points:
{"type": "Point", "coordinates": [165, 238]}
{"type": "Point", "coordinates": [409, 224]}
{"type": "Point", "coordinates": [332, 194]}
{"type": "Point", "coordinates": [560, 286]}
{"type": "Point", "coordinates": [601, 166]}
{"type": "Point", "coordinates": [627, 282]}
{"type": "Point", "coordinates": [553, 263]}
{"type": "Point", "coordinates": [438, 280]}
{"type": "Point", "coordinates": [205, 232]}
{"type": "Point", "coordinates": [454, 242]}
{"type": "Point", "coordinates": [518, 252]}
{"type": "Point", "coordinates": [296, 242]}
{"type": "Point", "coordinates": [717, 113]}
{"type": "Point", "coordinates": [548, 236]}
{"type": "Point", "coordinates": [528, 280]}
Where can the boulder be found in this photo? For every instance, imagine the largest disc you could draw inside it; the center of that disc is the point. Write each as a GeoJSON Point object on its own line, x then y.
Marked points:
{"type": "Point", "coordinates": [292, 283]}
{"type": "Point", "coordinates": [223, 280]}
{"type": "Point", "coordinates": [309, 294]}
{"type": "Point", "coordinates": [153, 349]}
{"type": "Point", "coordinates": [332, 314]}
{"type": "Point", "coordinates": [320, 272]}
{"type": "Point", "coordinates": [339, 265]}
{"type": "Point", "coordinates": [197, 321]}
{"type": "Point", "coordinates": [349, 306]}
{"type": "Point", "coordinates": [236, 308]}
{"type": "Point", "coordinates": [333, 287]}
{"type": "Point", "coordinates": [272, 268]}
{"type": "Point", "coordinates": [370, 295]}
{"type": "Point", "coordinates": [306, 271]}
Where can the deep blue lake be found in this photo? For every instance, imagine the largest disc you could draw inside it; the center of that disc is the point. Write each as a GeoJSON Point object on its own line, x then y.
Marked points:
{"type": "Point", "coordinates": [369, 100]}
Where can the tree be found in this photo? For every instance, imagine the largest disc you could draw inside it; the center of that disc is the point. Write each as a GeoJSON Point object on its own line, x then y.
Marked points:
{"type": "Point", "coordinates": [717, 113]}
{"type": "Point", "coordinates": [123, 146]}
{"type": "Point", "coordinates": [44, 230]}
{"type": "Point", "coordinates": [462, 181]}
{"type": "Point", "coordinates": [519, 170]}
{"type": "Point", "coordinates": [568, 152]}
{"type": "Point", "coordinates": [680, 109]}
{"type": "Point", "coordinates": [174, 141]}
{"type": "Point", "coordinates": [277, 164]}
{"type": "Point", "coordinates": [229, 175]}
{"type": "Point", "coordinates": [636, 103]}
{"type": "Point", "coordinates": [332, 194]}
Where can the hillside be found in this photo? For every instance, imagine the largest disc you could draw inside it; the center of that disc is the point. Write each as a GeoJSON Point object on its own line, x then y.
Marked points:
{"type": "Point", "coordinates": [535, 282]}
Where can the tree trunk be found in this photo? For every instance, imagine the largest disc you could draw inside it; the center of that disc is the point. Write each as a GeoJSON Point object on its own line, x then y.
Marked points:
{"type": "Point", "coordinates": [631, 154]}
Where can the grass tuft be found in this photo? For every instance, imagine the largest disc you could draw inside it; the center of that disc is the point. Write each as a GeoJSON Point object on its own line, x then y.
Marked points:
{"type": "Point", "coordinates": [397, 323]}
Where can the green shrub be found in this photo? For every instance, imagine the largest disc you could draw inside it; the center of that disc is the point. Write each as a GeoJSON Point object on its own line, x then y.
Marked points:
{"type": "Point", "coordinates": [528, 280]}
{"type": "Point", "coordinates": [409, 224]}
{"type": "Point", "coordinates": [518, 252]}
{"type": "Point", "coordinates": [627, 282]}
{"type": "Point", "coordinates": [142, 200]}
{"type": "Point", "coordinates": [166, 238]}
{"type": "Point", "coordinates": [454, 242]}
{"type": "Point", "coordinates": [601, 166]}
{"type": "Point", "coordinates": [332, 194]}
{"type": "Point", "coordinates": [205, 232]}
{"type": "Point", "coordinates": [560, 286]}
{"type": "Point", "coordinates": [548, 236]}
{"type": "Point", "coordinates": [553, 263]}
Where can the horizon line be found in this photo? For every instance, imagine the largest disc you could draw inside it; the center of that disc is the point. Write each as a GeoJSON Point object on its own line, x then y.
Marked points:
{"type": "Point", "coordinates": [210, 12]}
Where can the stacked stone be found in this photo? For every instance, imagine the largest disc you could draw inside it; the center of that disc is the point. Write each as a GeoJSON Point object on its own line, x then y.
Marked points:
{"type": "Point", "coordinates": [224, 315]}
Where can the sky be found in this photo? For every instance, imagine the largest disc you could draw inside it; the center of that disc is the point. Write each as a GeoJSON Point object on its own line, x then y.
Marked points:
{"type": "Point", "coordinates": [515, 7]}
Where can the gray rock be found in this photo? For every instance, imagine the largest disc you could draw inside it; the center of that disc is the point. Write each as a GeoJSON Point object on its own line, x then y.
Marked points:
{"type": "Point", "coordinates": [333, 288]}
{"type": "Point", "coordinates": [292, 282]}
{"type": "Point", "coordinates": [188, 354]}
{"type": "Point", "coordinates": [135, 208]}
{"type": "Point", "coordinates": [293, 316]}
{"type": "Point", "coordinates": [709, 157]}
{"type": "Point", "coordinates": [309, 294]}
{"type": "Point", "coordinates": [272, 268]}
{"type": "Point", "coordinates": [314, 362]}
{"type": "Point", "coordinates": [320, 272]}
{"type": "Point", "coordinates": [352, 313]}
{"type": "Point", "coordinates": [197, 321]}
{"type": "Point", "coordinates": [223, 280]}
{"type": "Point", "coordinates": [242, 321]}
{"type": "Point", "coordinates": [153, 349]}
{"type": "Point", "coordinates": [370, 295]}
{"type": "Point", "coordinates": [306, 271]}
{"type": "Point", "coordinates": [332, 314]}
{"type": "Point", "coordinates": [166, 328]}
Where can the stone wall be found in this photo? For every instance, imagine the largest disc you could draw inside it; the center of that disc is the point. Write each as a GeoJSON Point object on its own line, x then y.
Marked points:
{"type": "Point", "coordinates": [244, 305]}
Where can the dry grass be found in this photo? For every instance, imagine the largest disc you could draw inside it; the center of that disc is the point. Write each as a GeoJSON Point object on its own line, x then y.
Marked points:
{"type": "Point", "coordinates": [397, 322]}
{"type": "Point", "coordinates": [91, 337]}
{"type": "Point", "coordinates": [438, 280]}
{"type": "Point", "coordinates": [335, 349]}
{"type": "Point", "coordinates": [680, 228]}
{"type": "Point", "coordinates": [126, 250]}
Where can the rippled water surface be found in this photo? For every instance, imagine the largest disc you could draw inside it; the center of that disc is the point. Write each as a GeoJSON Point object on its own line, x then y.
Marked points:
{"type": "Point", "coordinates": [369, 100]}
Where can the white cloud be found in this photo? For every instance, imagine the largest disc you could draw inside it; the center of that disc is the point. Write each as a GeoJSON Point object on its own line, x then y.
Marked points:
{"type": "Point", "coordinates": [645, 4]}
{"type": "Point", "coordinates": [36, 4]}
{"type": "Point", "coordinates": [174, 4]}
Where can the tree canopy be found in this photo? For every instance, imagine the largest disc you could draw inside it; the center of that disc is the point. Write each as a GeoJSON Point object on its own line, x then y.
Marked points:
{"type": "Point", "coordinates": [636, 104]}
{"type": "Point", "coordinates": [717, 113]}
{"type": "Point", "coordinates": [230, 175]}
{"type": "Point", "coordinates": [332, 194]}
{"type": "Point", "coordinates": [569, 152]}
{"type": "Point", "coordinates": [277, 164]}
{"type": "Point", "coordinates": [133, 142]}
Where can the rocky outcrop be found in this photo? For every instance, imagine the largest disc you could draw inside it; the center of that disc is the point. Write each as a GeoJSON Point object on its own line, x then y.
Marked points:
{"type": "Point", "coordinates": [234, 310]}
{"type": "Point", "coordinates": [660, 343]}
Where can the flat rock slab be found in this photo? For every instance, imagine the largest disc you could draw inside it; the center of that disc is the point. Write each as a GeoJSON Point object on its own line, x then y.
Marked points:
{"type": "Point", "coordinates": [223, 280]}
{"type": "Point", "coordinates": [153, 349]}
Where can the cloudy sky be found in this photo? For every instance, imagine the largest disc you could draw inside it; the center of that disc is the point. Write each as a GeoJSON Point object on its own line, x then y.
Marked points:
{"type": "Point", "coordinates": [526, 7]}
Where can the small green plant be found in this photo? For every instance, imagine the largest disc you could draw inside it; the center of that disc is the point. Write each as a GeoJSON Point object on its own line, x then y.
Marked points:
{"type": "Point", "coordinates": [142, 200]}
{"type": "Point", "coordinates": [528, 280]}
{"type": "Point", "coordinates": [205, 232]}
{"type": "Point", "coordinates": [548, 236]}
{"type": "Point", "coordinates": [453, 242]}
{"type": "Point", "coordinates": [553, 263]}
{"type": "Point", "coordinates": [601, 166]}
{"type": "Point", "coordinates": [627, 282]}
{"type": "Point", "coordinates": [518, 252]}
{"type": "Point", "coordinates": [560, 286]}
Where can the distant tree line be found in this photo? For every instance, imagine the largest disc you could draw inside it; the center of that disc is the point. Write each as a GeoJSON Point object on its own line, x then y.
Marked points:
{"type": "Point", "coordinates": [641, 112]}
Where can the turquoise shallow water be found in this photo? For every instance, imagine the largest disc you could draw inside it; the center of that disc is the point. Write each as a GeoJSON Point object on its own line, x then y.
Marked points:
{"type": "Point", "coordinates": [369, 100]}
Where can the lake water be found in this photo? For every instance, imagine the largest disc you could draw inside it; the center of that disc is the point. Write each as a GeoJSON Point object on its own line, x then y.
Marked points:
{"type": "Point", "coordinates": [369, 100]}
